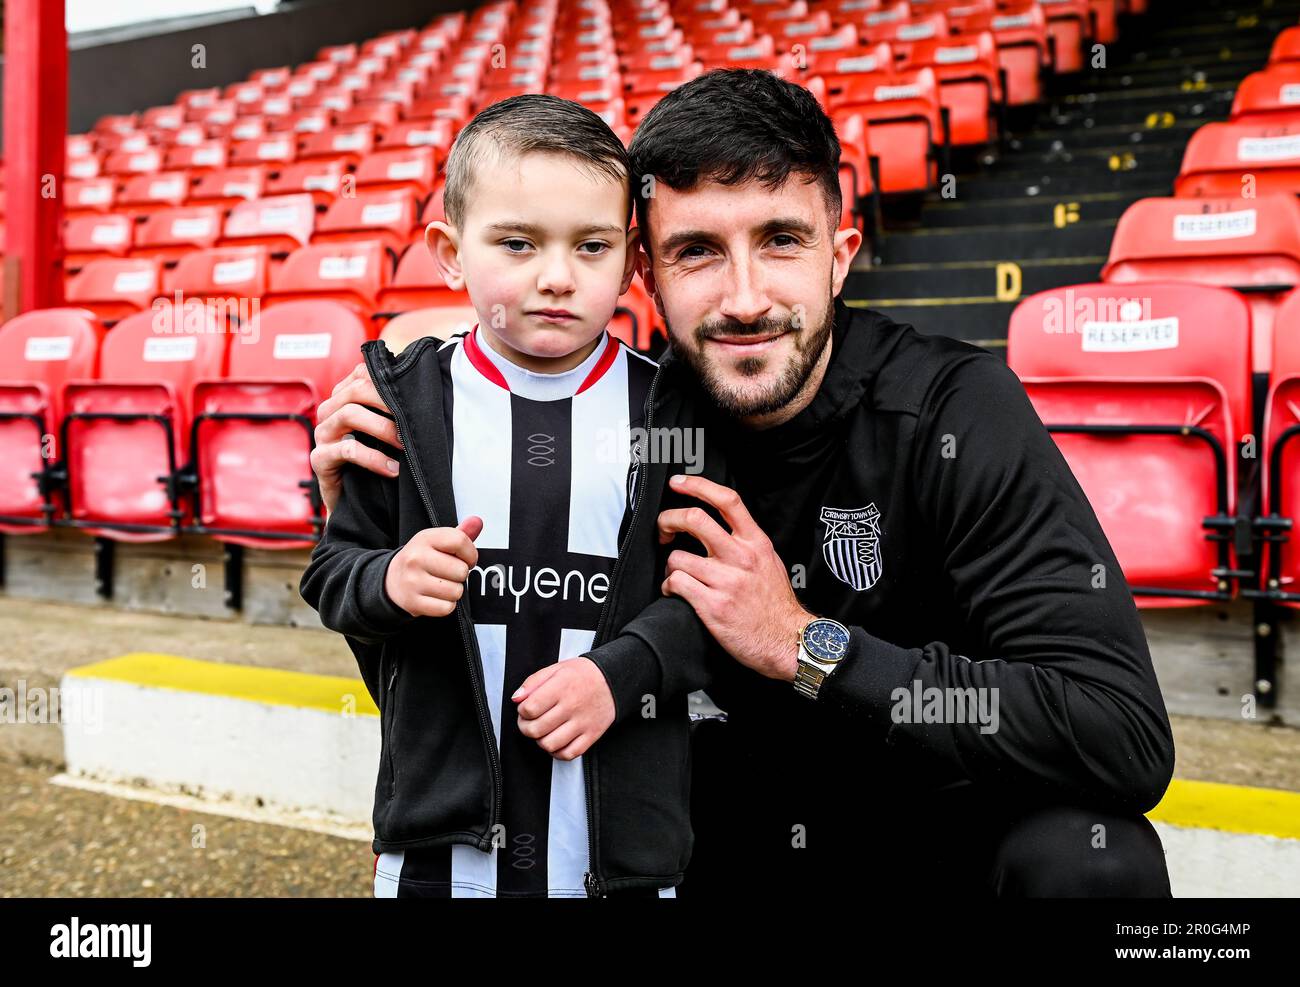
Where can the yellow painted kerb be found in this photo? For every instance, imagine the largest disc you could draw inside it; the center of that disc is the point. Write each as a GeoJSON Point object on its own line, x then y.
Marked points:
{"type": "Point", "coordinates": [264, 685]}
{"type": "Point", "coordinates": [1231, 808]}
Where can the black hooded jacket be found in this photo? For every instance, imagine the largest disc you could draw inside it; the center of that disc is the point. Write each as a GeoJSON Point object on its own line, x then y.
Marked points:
{"type": "Point", "coordinates": [920, 501]}
{"type": "Point", "coordinates": [439, 778]}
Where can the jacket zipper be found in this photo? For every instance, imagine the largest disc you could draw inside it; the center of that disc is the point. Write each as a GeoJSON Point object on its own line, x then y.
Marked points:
{"type": "Point", "coordinates": [591, 880]}
{"type": "Point", "coordinates": [467, 634]}
{"type": "Point", "coordinates": [392, 708]}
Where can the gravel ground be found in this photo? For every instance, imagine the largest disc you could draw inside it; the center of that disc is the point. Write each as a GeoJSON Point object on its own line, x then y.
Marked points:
{"type": "Point", "coordinates": [62, 842]}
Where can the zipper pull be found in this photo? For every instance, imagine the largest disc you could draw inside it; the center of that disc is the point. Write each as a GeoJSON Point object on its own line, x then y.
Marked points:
{"type": "Point", "coordinates": [592, 883]}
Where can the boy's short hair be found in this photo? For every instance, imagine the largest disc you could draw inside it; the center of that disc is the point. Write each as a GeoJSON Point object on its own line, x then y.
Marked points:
{"type": "Point", "coordinates": [532, 123]}
{"type": "Point", "coordinates": [730, 126]}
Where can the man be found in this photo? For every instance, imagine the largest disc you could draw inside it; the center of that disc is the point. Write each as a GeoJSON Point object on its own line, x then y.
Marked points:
{"type": "Point", "coordinates": [979, 715]}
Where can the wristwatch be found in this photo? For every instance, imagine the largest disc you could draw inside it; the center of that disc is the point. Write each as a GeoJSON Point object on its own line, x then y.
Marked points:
{"type": "Point", "coordinates": [822, 644]}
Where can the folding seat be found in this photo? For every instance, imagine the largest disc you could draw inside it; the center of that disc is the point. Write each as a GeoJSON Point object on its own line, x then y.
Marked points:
{"type": "Point", "coordinates": [87, 238]}
{"type": "Point", "coordinates": [197, 99]}
{"type": "Point", "coordinates": [908, 129]}
{"type": "Point", "coordinates": [1286, 46]}
{"type": "Point", "coordinates": [306, 121]}
{"type": "Point", "coordinates": [901, 36]}
{"type": "Point", "coordinates": [245, 93]}
{"type": "Point", "coordinates": [382, 115]}
{"type": "Point", "coordinates": [89, 196]}
{"type": "Point", "coordinates": [125, 436]}
{"type": "Point", "coordinates": [1069, 24]}
{"type": "Point", "coordinates": [417, 283]}
{"type": "Point", "coordinates": [1146, 390]}
{"type": "Point", "coordinates": [170, 235]}
{"type": "Point", "coordinates": [253, 431]}
{"type": "Point", "coordinates": [143, 195]}
{"type": "Point", "coordinates": [334, 98]}
{"type": "Point", "coordinates": [960, 13]}
{"type": "Point", "coordinates": [322, 180]}
{"type": "Point", "coordinates": [349, 273]}
{"type": "Point", "coordinates": [1272, 95]}
{"type": "Point", "coordinates": [133, 162]}
{"type": "Point", "coordinates": [280, 148]}
{"type": "Point", "coordinates": [79, 145]}
{"type": "Point", "coordinates": [338, 54]}
{"type": "Point", "coordinates": [115, 287]}
{"type": "Point", "coordinates": [228, 187]}
{"type": "Point", "coordinates": [658, 83]}
{"type": "Point", "coordinates": [431, 132]}
{"type": "Point", "coordinates": [456, 108]}
{"type": "Point", "coordinates": [160, 119]}
{"type": "Point", "coordinates": [441, 323]}
{"type": "Point", "coordinates": [1024, 49]}
{"type": "Point", "coordinates": [220, 114]}
{"type": "Point", "coordinates": [389, 217]}
{"type": "Point", "coordinates": [1227, 159]}
{"type": "Point", "coordinates": [970, 83]}
{"type": "Point", "coordinates": [82, 168]}
{"type": "Point", "coordinates": [245, 128]}
{"type": "Point", "coordinates": [197, 157]}
{"type": "Point", "coordinates": [411, 169]}
{"type": "Point", "coordinates": [39, 351]}
{"type": "Point", "coordinates": [281, 222]}
{"type": "Point", "coordinates": [123, 123]}
{"type": "Point", "coordinates": [231, 281]}
{"type": "Point", "coordinates": [1252, 245]}
{"type": "Point", "coordinates": [346, 144]}
{"type": "Point", "coordinates": [848, 61]}
{"type": "Point", "coordinates": [1281, 480]}
{"type": "Point", "coordinates": [272, 80]}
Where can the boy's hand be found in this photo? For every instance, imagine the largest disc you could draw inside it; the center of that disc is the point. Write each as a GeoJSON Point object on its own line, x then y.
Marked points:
{"type": "Point", "coordinates": [565, 707]}
{"type": "Point", "coordinates": [428, 575]}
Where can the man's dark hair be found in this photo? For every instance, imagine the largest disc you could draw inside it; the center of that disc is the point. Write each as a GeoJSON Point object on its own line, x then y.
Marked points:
{"type": "Point", "coordinates": [520, 125]}
{"type": "Point", "coordinates": [731, 126]}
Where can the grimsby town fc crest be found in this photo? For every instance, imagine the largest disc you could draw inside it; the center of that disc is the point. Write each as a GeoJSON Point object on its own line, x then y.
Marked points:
{"type": "Point", "coordinates": [852, 545]}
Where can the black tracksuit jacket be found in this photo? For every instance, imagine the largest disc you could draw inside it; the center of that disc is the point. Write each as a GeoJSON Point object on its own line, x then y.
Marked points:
{"type": "Point", "coordinates": [439, 778]}
{"type": "Point", "coordinates": [993, 573]}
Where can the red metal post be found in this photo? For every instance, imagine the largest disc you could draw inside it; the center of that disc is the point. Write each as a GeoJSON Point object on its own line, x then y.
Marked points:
{"type": "Point", "coordinates": [35, 131]}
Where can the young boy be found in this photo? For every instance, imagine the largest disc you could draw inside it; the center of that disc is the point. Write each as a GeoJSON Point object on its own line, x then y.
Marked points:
{"type": "Point", "coordinates": [502, 593]}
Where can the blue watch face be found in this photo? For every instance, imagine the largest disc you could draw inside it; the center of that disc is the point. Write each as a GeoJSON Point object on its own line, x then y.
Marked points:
{"type": "Point", "coordinates": [826, 640]}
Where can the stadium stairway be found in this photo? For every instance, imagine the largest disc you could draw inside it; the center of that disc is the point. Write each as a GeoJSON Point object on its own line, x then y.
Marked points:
{"type": "Point", "coordinates": [1039, 212]}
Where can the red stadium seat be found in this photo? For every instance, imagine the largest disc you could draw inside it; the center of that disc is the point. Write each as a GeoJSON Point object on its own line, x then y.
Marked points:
{"type": "Point", "coordinates": [87, 238]}
{"type": "Point", "coordinates": [1286, 46]}
{"type": "Point", "coordinates": [1252, 245]}
{"type": "Point", "coordinates": [126, 435]}
{"type": "Point", "coordinates": [1023, 49]}
{"type": "Point", "coordinates": [197, 157]}
{"type": "Point", "coordinates": [970, 86]}
{"type": "Point", "coordinates": [228, 187]}
{"type": "Point", "coordinates": [172, 234]}
{"type": "Point", "coordinates": [903, 114]}
{"type": "Point", "coordinates": [253, 431]}
{"type": "Point", "coordinates": [389, 217]}
{"type": "Point", "coordinates": [1281, 455]}
{"type": "Point", "coordinates": [441, 323]}
{"type": "Point", "coordinates": [349, 273]}
{"type": "Point", "coordinates": [346, 144]}
{"type": "Point", "coordinates": [276, 148]}
{"type": "Point", "coordinates": [143, 195]}
{"type": "Point", "coordinates": [322, 180]}
{"type": "Point", "coordinates": [413, 169]}
{"type": "Point", "coordinates": [1241, 159]}
{"type": "Point", "coordinates": [1147, 393]}
{"type": "Point", "coordinates": [283, 223]}
{"type": "Point", "coordinates": [89, 196]}
{"type": "Point", "coordinates": [39, 352]}
{"type": "Point", "coordinates": [418, 284]}
{"type": "Point", "coordinates": [115, 287]}
{"type": "Point", "coordinates": [1269, 96]}
{"type": "Point", "coordinates": [234, 277]}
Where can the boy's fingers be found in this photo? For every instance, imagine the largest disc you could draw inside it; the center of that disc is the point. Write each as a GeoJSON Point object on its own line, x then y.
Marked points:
{"type": "Point", "coordinates": [548, 722]}
{"type": "Point", "coordinates": [444, 566]}
{"type": "Point", "coordinates": [453, 541]}
{"type": "Point", "coordinates": [529, 687]}
{"type": "Point", "coordinates": [577, 748]}
{"type": "Point", "coordinates": [472, 526]}
{"type": "Point", "coordinates": [560, 738]}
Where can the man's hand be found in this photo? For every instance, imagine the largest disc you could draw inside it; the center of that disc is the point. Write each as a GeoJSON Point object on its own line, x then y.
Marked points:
{"type": "Point", "coordinates": [428, 575]}
{"type": "Point", "coordinates": [338, 416]}
{"type": "Point", "coordinates": [565, 707]}
{"type": "Point", "coordinates": [742, 591]}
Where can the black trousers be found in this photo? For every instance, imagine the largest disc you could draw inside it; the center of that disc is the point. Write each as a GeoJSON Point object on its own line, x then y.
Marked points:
{"type": "Point", "coordinates": [965, 841]}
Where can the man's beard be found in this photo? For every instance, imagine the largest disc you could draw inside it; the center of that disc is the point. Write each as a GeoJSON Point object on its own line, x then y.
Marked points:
{"type": "Point", "coordinates": [808, 349]}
